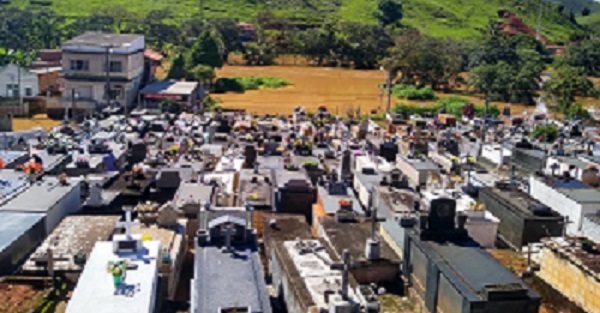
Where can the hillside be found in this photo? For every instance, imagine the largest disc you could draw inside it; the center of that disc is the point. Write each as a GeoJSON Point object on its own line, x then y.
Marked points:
{"type": "Point", "coordinates": [455, 18]}
{"type": "Point", "coordinates": [577, 6]}
{"type": "Point", "coordinates": [592, 21]}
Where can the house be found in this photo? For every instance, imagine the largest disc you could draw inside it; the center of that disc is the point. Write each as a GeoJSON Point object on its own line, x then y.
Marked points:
{"type": "Point", "coordinates": [87, 75]}
{"type": "Point", "coordinates": [11, 76]}
{"type": "Point", "coordinates": [449, 272]}
{"type": "Point", "coordinates": [187, 94]}
{"type": "Point", "coordinates": [228, 274]}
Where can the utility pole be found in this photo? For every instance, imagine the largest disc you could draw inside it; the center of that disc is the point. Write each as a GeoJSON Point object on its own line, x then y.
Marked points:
{"type": "Point", "coordinates": [539, 26]}
{"type": "Point", "coordinates": [107, 87]}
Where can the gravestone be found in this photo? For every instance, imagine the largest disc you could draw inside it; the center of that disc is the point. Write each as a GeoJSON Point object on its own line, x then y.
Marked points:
{"type": "Point", "coordinates": [138, 153]}
{"type": "Point", "coordinates": [346, 172]}
{"type": "Point", "coordinates": [442, 214]}
{"type": "Point", "coordinates": [167, 215]}
{"type": "Point", "coordinates": [249, 155]}
{"type": "Point", "coordinates": [388, 150]}
{"type": "Point", "coordinates": [95, 199]}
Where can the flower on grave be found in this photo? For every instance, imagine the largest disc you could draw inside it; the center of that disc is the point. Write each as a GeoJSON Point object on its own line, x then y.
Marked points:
{"type": "Point", "coordinates": [62, 179]}
{"type": "Point", "coordinates": [253, 196]}
{"type": "Point", "coordinates": [345, 202]}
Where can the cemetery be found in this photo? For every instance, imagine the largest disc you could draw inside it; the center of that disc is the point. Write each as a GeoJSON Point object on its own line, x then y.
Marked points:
{"type": "Point", "coordinates": [233, 212]}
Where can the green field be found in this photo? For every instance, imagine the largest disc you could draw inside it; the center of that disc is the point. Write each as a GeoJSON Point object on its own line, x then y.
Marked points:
{"type": "Point", "coordinates": [441, 18]}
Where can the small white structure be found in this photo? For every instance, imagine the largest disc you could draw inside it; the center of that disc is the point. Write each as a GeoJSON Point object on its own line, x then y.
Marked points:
{"type": "Point", "coordinates": [496, 154]}
{"type": "Point", "coordinates": [569, 199]}
{"type": "Point", "coordinates": [481, 225]}
{"type": "Point", "coordinates": [96, 290]}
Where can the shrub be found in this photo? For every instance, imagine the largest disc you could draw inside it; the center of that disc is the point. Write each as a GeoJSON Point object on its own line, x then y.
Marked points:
{"type": "Point", "coordinates": [547, 133]}
{"type": "Point", "coordinates": [410, 92]}
{"type": "Point", "coordinates": [241, 84]}
{"type": "Point", "coordinates": [407, 110]}
{"type": "Point", "coordinates": [454, 105]}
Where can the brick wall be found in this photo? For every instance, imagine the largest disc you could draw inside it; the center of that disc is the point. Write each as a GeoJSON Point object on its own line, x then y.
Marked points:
{"type": "Point", "coordinates": [575, 284]}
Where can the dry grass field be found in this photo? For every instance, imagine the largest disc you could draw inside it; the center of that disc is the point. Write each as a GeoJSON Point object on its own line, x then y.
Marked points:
{"type": "Point", "coordinates": [40, 120]}
{"type": "Point", "coordinates": [336, 88]}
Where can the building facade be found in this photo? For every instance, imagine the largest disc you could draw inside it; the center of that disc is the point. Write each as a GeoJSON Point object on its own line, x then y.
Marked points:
{"type": "Point", "coordinates": [11, 76]}
{"type": "Point", "coordinates": [86, 74]}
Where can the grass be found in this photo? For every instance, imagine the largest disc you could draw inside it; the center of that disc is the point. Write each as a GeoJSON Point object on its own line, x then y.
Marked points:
{"type": "Point", "coordinates": [440, 18]}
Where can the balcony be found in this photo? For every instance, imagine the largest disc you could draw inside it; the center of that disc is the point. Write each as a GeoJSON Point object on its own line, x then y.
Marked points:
{"type": "Point", "coordinates": [100, 76]}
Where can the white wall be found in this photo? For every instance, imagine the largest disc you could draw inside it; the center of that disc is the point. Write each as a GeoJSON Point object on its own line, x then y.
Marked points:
{"type": "Point", "coordinates": [491, 152]}
{"type": "Point", "coordinates": [9, 75]}
{"type": "Point", "coordinates": [562, 204]}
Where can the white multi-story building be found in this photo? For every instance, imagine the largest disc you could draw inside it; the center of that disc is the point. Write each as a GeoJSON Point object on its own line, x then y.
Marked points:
{"type": "Point", "coordinates": [94, 61]}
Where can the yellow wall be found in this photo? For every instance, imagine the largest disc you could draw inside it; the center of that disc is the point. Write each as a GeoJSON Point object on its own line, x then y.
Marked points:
{"type": "Point", "coordinates": [570, 280]}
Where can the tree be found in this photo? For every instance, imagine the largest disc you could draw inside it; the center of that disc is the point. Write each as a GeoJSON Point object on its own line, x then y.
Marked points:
{"type": "Point", "coordinates": [124, 21]}
{"type": "Point", "coordinates": [389, 12]}
{"type": "Point", "coordinates": [586, 11]}
{"type": "Point", "coordinates": [362, 45]}
{"type": "Point", "coordinates": [177, 69]}
{"type": "Point", "coordinates": [159, 32]}
{"type": "Point", "coordinates": [426, 60]}
{"type": "Point", "coordinates": [567, 83]}
{"type": "Point", "coordinates": [507, 68]}
{"type": "Point", "coordinates": [207, 50]}
{"type": "Point", "coordinates": [229, 34]}
{"type": "Point", "coordinates": [587, 55]}
{"type": "Point", "coordinates": [203, 74]}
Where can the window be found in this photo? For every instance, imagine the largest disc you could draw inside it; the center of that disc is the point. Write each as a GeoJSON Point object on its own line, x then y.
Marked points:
{"type": "Point", "coordinates": [12, 90]}
{"type": "Point", "coordinates": [116, 93]}
{"type": "Point", "coordinates": [80, 65]}
{"type": "Point", "coordinates": [116, 66]}
{"type": "Point", "coordinates": [28, 92]}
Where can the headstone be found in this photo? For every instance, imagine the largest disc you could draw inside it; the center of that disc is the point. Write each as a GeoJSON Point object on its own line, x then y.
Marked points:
{"type": "Point", "coordinates": [249, 155]}
{"type": "Point", "coordinates": [345, 167]}
{"type": "Point", "coordinates": [442, 214]}
{"type": "Point", "coordinates": [95, 199]}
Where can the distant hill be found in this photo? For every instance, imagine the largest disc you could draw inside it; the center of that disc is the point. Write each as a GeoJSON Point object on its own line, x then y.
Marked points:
{"type": "Point", "coordinates": [441, 18]}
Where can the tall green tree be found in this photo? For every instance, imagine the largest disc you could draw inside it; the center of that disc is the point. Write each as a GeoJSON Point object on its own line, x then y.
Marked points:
{"type": "Point", "coordinates": [586, 54]}
{"type": "Point", "coordinates": [566, 83]}
{"type": "Point", "coordinates": [177, 70]}
{"type": "Point", "coordinates": [207, 50]}
{"type": "Point", "coordinates": [389, 12]}
{"type": "Point", "coordinates": [160, 31]}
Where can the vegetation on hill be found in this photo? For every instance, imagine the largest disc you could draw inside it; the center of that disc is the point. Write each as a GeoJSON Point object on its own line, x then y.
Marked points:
{"type": "Point", "coordinates": [580, 7]}
{"type": "Point", "coordinates": [441, 18]}
{"type": "Point", "coordinates": [591, 21]}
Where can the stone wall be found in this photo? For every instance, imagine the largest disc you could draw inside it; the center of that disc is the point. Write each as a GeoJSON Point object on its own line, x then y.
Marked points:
{"type": "Point", "coordinates": [571, 280]}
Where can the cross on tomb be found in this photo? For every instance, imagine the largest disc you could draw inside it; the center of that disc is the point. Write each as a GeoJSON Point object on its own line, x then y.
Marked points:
{"type": "Point", "coordinates": [128, 222]}
{"type": "Point", "coordinates": [374, 218]}
{"type": "Point", "coordinates": [228, 230]}
{"type": "Point", "coordinates": [49, 259]}
{"type": "Point", "coordinates": [345, 266]}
